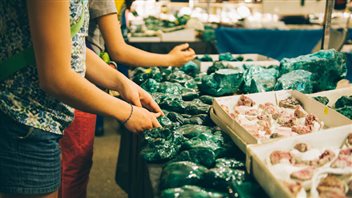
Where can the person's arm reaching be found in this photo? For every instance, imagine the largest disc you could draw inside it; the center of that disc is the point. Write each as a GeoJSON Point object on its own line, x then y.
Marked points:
{"type": "Point", "coordinates": [122, 52]}
{"type": "Point", "coordinates": [56, 77]}
{"type": "Point", "coordinates": [109, 78]}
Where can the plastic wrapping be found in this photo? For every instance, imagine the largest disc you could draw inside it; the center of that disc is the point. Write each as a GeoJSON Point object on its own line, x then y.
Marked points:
{"type": "Point", "coordinates": [259, 79]}
{"type": "Point", "coordinates": [217, 65]}
{"type": "Point", "coordinates": [189, 191]}
{"type": "Point", "coordinates": [299, 80]}
{"type": "Point", "coordinates": [177, 174]}
{"type": "Point", "coordinates": [222, 82]}
{"type": "Point", "coordinates": [322, 99]}
{"type": "Point", "coordinates": [327, 67]}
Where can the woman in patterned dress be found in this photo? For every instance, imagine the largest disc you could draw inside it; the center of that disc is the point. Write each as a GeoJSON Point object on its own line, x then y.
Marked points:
{"type": "Point", "coordinates": [36, 102]}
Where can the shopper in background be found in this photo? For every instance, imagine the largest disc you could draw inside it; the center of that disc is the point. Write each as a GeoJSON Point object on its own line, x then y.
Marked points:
{"type": "Point", "coordinates": [32, 110]}
{"type": "Point", "coordinates": [104, 29]}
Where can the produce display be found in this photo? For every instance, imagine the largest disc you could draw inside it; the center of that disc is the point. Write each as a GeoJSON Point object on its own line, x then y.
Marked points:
{"type": "Point", "coordinates": [268, 120]}
{"type": "Point", "coordinates": [343, 105]}
{"type": "Point", "coordinates": [314, 172]}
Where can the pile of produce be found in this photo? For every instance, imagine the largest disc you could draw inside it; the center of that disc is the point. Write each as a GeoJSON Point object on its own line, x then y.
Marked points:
{"type": "Point", "coordinates": [314, 172]}
{"type": "Point", "coordinates": [199, 159]}
{"type": "Point", "coordinates": [342, 105]}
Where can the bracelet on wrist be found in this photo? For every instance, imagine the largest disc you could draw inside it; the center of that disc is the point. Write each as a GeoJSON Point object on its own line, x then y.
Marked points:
{"type": "Point", "coordinates": [129, 117]}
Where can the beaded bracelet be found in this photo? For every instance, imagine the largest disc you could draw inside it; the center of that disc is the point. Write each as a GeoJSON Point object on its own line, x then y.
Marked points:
{"type": "Point", "coordinates": [129, 117]}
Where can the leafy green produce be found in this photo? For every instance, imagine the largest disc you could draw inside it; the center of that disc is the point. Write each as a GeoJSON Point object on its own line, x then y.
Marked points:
{"type": "Point", "coordinates": [195, 107]}
{"type": "Point", "coordinates": [200, 119]}
{"type": "Point", "coordinates": [322, 99]}
{"type": "Point", "coordinates": [226, 57]}
{"type": "Point", "coordinates": [222, 82]}
{"type": "Point", "coordinates": [299, 80]}
{"type": "Point", "coordinates": [344, 101]}
{"type": "Point", "coordinates": [327, 67]}
{"type": "Point", "coordinates": [259, 79]}
{"type": "Point", "coordinates": [189, 191]}
{"type": "Point", "coordinates": [179, 77]}
{"type": "Point", "coordinates": [177, 174]}
{"type": "Point", "coordinates": [217, 65]}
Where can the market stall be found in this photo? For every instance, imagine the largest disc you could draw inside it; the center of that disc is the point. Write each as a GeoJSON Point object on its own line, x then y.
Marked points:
{"type": "Point", "coordinates": [192, 156]}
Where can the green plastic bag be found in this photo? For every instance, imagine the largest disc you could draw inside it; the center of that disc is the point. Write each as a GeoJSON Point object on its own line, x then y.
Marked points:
{"type": "Point", "coordinates": [177, 174]}
{"type": "Point", "coordinates": [222, 82]}
{"type": "Point", "coordinates": [327, 67]}
{"type": "Point", "coordinates": [299, 80]}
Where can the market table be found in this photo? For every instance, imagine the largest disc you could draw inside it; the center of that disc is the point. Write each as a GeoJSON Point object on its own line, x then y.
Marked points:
{"type": "Point", "coordinates": [276, 44]}
{"type": "Point", "coordinates": [199, 47]}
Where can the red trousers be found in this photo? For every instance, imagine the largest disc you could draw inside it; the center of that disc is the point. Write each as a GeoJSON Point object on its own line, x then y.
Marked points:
{"type": "Point", "coordinates": [77, 154]}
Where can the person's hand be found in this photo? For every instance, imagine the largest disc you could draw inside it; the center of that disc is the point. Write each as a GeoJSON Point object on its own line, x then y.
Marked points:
{"type": "Point", "coordinates": [135, 95]}
{"type": "Point", "coordinates": [181, 54]}
{"type": "Point", "coordinates": [141, 120]}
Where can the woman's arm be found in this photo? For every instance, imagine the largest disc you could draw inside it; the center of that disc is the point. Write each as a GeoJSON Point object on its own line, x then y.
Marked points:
{"type": "Point", "coordinates": [53, 58]}
{"type": "Point", "coordinates": [122, 52]}
{"type": "Point", "coordinates": [99, 73]}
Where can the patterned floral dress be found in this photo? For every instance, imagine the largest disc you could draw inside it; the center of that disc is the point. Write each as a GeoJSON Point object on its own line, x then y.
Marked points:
{"type": "Point", "coordinates": [20, 95]}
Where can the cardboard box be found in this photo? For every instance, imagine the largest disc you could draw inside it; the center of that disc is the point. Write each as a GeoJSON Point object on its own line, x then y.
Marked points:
{"type": "Point", "coordinates": [258, 60]}
{"type": "Point", "coordinates": [334, 95]}
{"type": "Point", "coordinates": [242, 137]}
{"type": "Point", "coordinates": [257, 155]}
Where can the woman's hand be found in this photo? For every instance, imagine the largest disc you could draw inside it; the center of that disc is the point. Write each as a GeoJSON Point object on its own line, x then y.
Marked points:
{"type": "Point", "coordinates": [141, 120]}
{"type": "Point", "coordinates": [135, 95]}
{"type": "Point", "coordinates": [181, 54]}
